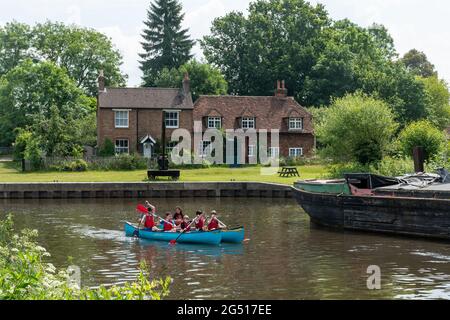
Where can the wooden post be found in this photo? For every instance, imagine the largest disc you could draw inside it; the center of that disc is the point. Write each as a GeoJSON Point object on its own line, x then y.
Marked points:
{"type": "Point", "coordinates": [419, 159]}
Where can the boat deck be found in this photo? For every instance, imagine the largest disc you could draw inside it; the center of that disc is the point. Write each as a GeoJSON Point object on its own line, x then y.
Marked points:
{"type": "Point", "coordinates": [436, 190]}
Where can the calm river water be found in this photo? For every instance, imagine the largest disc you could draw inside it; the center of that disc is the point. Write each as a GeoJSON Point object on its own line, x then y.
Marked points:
{"type": "Point", "coordinates": [285, 258]}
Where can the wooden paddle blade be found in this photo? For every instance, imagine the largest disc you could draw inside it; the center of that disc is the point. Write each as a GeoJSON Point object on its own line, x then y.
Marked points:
{"type": "Point", "coordinates": [141, 208]}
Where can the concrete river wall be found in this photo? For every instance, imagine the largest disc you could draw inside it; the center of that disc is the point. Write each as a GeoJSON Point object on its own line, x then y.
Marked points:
{"type": "Point", "coordinates": [79, 190]}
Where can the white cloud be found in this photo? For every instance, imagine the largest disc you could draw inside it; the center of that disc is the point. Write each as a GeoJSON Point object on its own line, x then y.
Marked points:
{"type": "Point", "coordinates": [73, 15]}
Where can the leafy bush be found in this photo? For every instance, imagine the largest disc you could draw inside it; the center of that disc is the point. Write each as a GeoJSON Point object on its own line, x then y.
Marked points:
{"type": "Point", "coordinates": [33, 153]}
{"type": "Point", "coordinates": [22, 139]}
{"type": "Point", "coordinates": [356, 128]}
{"type": "Point", "coordinates": [119, 162]}
{"type": "Point", "coordinates": [24, 274]}
{"type": "Point", "coordinates": [77, 166]}
{"type": "Point", "coordinates": [424, 134]}
{"type": "Point", "coordinates": [108, 149]}
{"type": "Point", "coordinates": [392, 167]}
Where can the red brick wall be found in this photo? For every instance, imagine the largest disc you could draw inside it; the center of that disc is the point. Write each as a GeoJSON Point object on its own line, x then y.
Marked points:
{"type": "Point", "coordinates": [150, 122]}
{"type": "Point", "coordinates": [296, 140]}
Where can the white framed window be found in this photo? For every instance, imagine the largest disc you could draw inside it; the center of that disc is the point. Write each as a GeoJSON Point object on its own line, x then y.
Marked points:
{"type": "Point", "coordinates": [295, 152]}
{"type": "Point", "coordinates": [204, 148]}
{"type": "Point", "coordinates": [122, 146]}
{"type": "Point", "coordinates": [214, 122]}
{"type": "Point", "coordinates": [295, 123]}
{"type": "Point", "coordinates": [274, 152]}
{"type": "Point", "coordinates": [251, 150]}
{"type": "Point", "coordinates": [121, 118]}
{"type": "Point", "coordinates": [248, 123]}
{"type": "Point", "coordinates": [172, 119]}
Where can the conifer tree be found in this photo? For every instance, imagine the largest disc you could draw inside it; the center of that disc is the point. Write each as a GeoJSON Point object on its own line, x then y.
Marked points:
{"type": "Point", "coordinates": [166, 44]}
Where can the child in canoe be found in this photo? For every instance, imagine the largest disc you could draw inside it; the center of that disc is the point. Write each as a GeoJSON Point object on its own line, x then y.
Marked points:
{"type": "Point", "coordinates": [178, 217]}
{"type": "Point", "coordinates": [147, 219]}
{"type": "Point", "coordinates": [214, 222]}
{"type": "Point", "coordinates": [186, 224]}
{"type": "Point", "coordinates": [168, 225]}
{"type": "Point", "coordinates": [199, 220]}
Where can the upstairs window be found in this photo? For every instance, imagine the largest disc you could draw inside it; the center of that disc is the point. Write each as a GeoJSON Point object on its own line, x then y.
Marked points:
{"type": "Point", "coordinates": [214, 122]}
{"type": "Point", "coordinates": [248, 123]}
{"type": "Point", "coordinates": [295, 123]}
{"type": "Point", "coordinates": [122, 146]}
{"type": "Point", "coordinates": [121, 118]}
{"type": "Point", "coordinates": [172, 119]}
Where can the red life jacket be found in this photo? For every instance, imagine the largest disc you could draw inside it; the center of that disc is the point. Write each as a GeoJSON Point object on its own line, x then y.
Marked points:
{"type": "Point", "coordinates": [200, 223]}
{"type": "Point", "coordinates": [213, 224]}
{"type": "Point", "coordinates": [149, 222]}
{"type": "Point", "coordinates": [167, 226]}
{"type": "Point", "coordinates": [185, 226]}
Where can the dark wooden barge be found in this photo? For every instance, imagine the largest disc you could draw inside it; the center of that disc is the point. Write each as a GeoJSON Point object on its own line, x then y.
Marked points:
{"type": "Point", "coordinates": [396, 209]}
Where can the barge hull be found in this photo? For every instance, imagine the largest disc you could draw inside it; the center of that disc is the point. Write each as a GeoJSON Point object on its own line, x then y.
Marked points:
{"type": "Point", "coordinates": [404, 216]}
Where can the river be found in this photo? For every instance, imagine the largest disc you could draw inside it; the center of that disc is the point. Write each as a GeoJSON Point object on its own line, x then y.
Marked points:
{"type": "Point", "coordinates": [285, 257]}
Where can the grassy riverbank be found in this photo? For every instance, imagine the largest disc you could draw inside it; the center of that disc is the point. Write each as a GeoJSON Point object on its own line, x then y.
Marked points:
{"type": "Point", "coordinates": [9, 174]}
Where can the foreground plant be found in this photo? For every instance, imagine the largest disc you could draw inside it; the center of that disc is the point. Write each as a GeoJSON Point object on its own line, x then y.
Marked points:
{"type": "Point", "coordinates": [24, 274]}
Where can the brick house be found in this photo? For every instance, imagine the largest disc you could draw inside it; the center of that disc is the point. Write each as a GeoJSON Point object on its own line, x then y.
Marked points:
{"type": "Point", "coordinates": [295, 123]}
{"type": "Point", "coordinates": [132, 117]}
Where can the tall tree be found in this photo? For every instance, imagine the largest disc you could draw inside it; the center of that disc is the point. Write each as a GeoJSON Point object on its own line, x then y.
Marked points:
{"type": "Point", "coordinates": [82, 52]}
{"type": "Point", "coordinates": [166, 43]}
{"type": "Point", "coordinates": [15, 45]}
{"type": "Point", "coordinates": [417, 63]}
{"type": "Point", "coordinates": [30, 90]}
{"type": "Point", "coordinates": [438, 101]}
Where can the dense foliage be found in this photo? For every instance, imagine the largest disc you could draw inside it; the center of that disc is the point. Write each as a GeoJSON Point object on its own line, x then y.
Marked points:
{"type": "Point", "coordinates": [80, 52]}
{"type": "Point", "coordinates": [166, 44]}
{"type": "Point", "coordinates": [25, 274]}
{"type": "Point", "coordinates": [357, 128]}
{"type": "Point", "coordinates": [32, 93]}
{"type": "Point", "coordinates": [417, 63]}
{"type": "Point", "coordinates": [423, 134]}
{"type": "Point", "coordinates": [205, 79]}
{"type": "Point", "coordinates": [319, 58]}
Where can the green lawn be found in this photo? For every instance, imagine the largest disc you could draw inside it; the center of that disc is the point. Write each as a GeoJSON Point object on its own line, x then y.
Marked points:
{"type": "Point", "coordinates": [10, 174]}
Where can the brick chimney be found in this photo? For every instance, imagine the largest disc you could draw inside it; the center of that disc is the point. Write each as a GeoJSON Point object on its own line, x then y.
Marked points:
{"type": "Point", "coordinates": [101, 82]}
{"type": "Point", "coordinates": [186, 84]}
{"type": "Point", "coordinates": [281, 90]}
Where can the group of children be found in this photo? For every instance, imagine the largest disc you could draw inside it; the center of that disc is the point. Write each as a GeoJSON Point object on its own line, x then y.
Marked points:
{"type": "Point", "coordinates": [179, 222]}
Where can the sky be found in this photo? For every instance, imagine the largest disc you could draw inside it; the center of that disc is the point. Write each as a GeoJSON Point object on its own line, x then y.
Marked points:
{"type": "Point", "coordinates": [424, 25]}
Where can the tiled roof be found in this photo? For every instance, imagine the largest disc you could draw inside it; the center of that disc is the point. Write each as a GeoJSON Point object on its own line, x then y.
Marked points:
{"type": "Point", "coordinates": [145, 98]}
{"type": "Point", "coordinates": [269, 111]}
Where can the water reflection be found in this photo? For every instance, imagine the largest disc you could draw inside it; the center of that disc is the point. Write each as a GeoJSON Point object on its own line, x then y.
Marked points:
{"type": "Point", "coordinates": [286, 257]}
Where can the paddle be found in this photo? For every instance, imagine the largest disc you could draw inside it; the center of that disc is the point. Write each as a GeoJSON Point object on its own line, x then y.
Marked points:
{"type": "Point", "coordinates": [136, 232]}
{"type": "Point", "coordinates": [172, 242]}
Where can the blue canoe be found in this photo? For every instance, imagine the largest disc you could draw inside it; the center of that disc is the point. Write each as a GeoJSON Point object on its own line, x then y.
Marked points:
{"type": "Point", "coordinates": [235, 235]}
{"type": "Point", "coordinates": [195, 237]}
